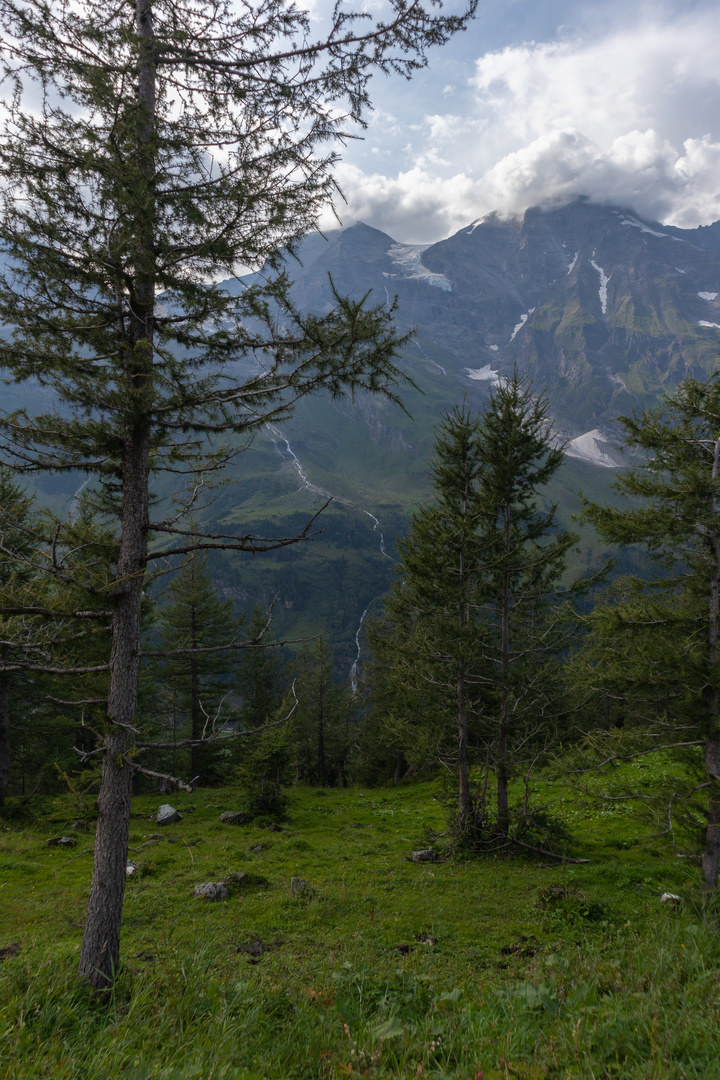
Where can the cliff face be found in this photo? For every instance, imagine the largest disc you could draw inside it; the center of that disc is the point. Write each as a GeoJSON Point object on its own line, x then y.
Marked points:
{"type": "Point", "coordinates": [603, 309]}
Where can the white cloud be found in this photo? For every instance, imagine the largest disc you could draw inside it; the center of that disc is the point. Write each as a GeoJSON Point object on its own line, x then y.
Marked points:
{"type": "Point", "coordinates": [629, 118]}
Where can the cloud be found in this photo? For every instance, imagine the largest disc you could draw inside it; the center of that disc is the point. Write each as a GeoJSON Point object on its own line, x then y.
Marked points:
{"type": "Point", "coordinates": [629, 117]}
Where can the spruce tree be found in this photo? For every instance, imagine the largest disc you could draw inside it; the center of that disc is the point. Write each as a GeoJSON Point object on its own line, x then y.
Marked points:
{"type": "Point", "coordinates": [471, 627]}
{"type": "Point", "coordinates": [322, 718]}
{"type": "Point", "coordinates": [655, 643]}
{"type": "Point", "coordinates": [146, 150]}
{"type": "Point", "coordinates": [197, 632]}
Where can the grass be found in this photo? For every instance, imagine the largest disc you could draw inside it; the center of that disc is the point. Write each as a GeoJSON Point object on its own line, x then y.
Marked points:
{"type": "Point", "coordinates": [480, 969]}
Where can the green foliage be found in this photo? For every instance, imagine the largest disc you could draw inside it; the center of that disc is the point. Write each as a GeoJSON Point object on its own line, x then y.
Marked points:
{"type": "Point", "coordinates": [652, 648]}
{"type": "Point", "coordinates": [467, 651]}
{"type": "Point", "coordinates": [323, 718]}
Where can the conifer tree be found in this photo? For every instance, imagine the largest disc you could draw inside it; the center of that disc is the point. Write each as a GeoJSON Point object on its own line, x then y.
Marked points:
{"type": "Point", "coordinates": [655, 643]}
{"type": "Point", "coordinates": [146, 150]}
{"type": "Point", "coordinates": [322, 718]}
{"type": "Point", "coordinates": [197, 632]}
{"type": "Point", "coordinates": [427, 644]}
{"type": "Point", "coordinates": [470, 628]}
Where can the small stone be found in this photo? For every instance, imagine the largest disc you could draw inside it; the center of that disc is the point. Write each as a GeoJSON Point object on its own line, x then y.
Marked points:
{"type": "Point", "coordinates": [62, 841]}
{"type": "Point", "coordinates": [670, 898]}
{"type": "Point", "coordinates": [298, 886]}
{"type": "Point", "coordinates": [211, 890]}
{"type": "Point", "coordinates": [424, 855]}
{"type": "Point", "coordinates": [275, 827]}
{"type": "Point", "coordinates": [168, 815]}
{"type": "Point", "coordinates": [79, 826]}
{"type": "Point", "coordinates": [156, 836]}
{"type": "Point", "coordinates": [131, 869]}
{"type": "Point", "coordinates": [236, 817]}
{"type": "Point", "coordinates": [253, 948]}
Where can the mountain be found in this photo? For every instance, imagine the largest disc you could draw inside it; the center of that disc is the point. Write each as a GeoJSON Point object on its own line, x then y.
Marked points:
{"type": "Point", "coordinates": [603, 309]}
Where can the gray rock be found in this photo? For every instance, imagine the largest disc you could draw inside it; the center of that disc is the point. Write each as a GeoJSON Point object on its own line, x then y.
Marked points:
{"type": "Point", "coordinates": [79, 826]}
{"type": "Point", "coordinates": [298, 886]}
{"type": "Point", "coordinates": [424, 855]}
{"type": "Point", "coordinates": [62, 841]}
{"type": "Point", "coordinates": [168, 815]}
{"type": "Point", "coordinates": [211, 890]}
{"type": "Point", "coordinates": [670, 898]}
{"type": "Point", "coordinates": [236, 817]}
{"type": "Point", "coordinates": [130, 869]}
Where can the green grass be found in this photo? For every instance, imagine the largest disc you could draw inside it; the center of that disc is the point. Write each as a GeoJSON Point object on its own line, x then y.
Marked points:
{"type": "Point", "coordinates": [465, 968]}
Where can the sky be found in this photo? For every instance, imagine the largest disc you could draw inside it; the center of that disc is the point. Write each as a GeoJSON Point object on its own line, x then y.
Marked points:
{"type": "Point", "coordinates": [540, 101]}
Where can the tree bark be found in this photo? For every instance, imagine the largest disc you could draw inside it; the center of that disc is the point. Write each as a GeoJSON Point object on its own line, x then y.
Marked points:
{"type": "Point", "coordinates": [504, 720]}
{"type": "Point", "coordinates": [711, 854]}
{"type": "Point", "coordinates": [100, 950]}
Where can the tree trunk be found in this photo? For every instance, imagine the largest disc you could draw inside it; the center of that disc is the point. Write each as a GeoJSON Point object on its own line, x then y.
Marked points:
{"type": "Point", "coordinates": [502, 763]}
{"type": "Point", "coordinates": [100, 950]}
{"type": "Point", "coordinates": [5, 745]}
{"type": "Point", "coordinates": [464, 801]}
{"type": "Point", "coordinates": [711, 854]}
{"type": "Point", "coordinates": [195, 726]}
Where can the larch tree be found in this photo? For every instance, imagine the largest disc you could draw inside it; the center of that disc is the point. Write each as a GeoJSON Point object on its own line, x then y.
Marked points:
{"type": "Point", "coordinates": [148, 149]}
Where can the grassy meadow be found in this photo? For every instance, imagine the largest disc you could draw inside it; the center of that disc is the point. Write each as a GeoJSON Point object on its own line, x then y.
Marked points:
{"type": "Point", "coordinates": [482, 969]}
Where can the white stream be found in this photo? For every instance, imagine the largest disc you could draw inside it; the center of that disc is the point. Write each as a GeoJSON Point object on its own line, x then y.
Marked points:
{"type": "Point", "coordinates": [277, 438]}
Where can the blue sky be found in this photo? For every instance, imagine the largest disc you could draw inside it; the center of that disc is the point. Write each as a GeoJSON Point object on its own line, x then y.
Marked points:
{"type": "Point", "coordinates": [538, 102]}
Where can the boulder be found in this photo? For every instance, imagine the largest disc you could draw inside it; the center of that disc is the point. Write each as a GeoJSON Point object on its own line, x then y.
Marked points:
{"type": "Point", "coordinates": [424, 855]}
{"type": "Point", "coordinates": [211, 890]}
{"type": "Point", "coordinates": [236, 817]}
{"type": "Point", "coordinates": [168, 815]}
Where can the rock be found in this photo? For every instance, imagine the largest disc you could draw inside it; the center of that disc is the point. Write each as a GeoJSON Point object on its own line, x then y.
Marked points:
{"type": "Point", "coordinates": [236, 817]}
{"type": "Point", "coordinates": [424, 855]}
{"type": "Point", "coordinates": [62, 841]}
{"type": "Point", "coordinates": [258, 849]}
{"type": "Point", "coordinates": [276, 828]}
{"type": "Point", "coordinates": [130, 869]}
{"type": "Point", "coordinates": [79, 826]}
{"type": "Point", "coordinates": [156, 836]}
{"type": "Point", "coordinates": [168, 815]}
{"type": "Point", "coordinates": [670, 898]}
{"type": "Point", "coordinates": [298, 886]}
{"type": "Point", "coordinates": [253, 948]}
{"type": "Point", "coordinates": [10, 950]}
{"type": "Point", "coordinates": [211, 890]}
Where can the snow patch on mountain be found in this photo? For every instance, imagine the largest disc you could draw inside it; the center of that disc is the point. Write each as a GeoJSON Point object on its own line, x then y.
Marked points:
{"type": "Point", "coordinates": [571, 267]}
{"type": "Point", "coordinates": [603, 284]}
{"type": "Point", "coordinates": [523, 320]}
{"type": "Point", "coordinates": [483, 374]}
{"type": "Point", "coordinates": [707, 296]}
{"type": "Point", "coordinates": [635, 224]}
{"type": "Point", "coordinates": [589, 447]}
{"type": "Point", "coordinates": [714, 325]}
{"type": "Point", "coordinates": [407, 258]}
{"type": "Point", "coordinates": [494, 348]}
